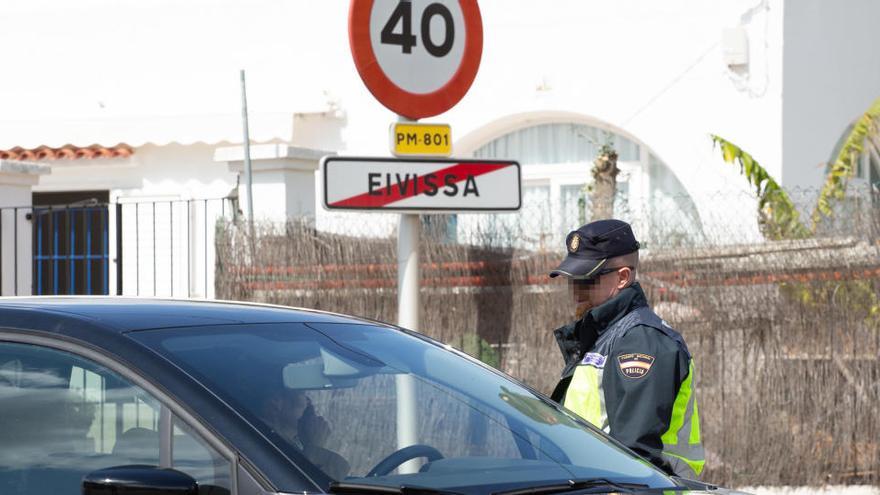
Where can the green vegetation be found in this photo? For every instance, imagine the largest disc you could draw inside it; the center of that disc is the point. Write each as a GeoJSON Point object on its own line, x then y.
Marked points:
{"type": "Point", "coordinates": [866, 132]}
{"type": "Point", "coordinates": [777, 214]}
{"type": "Point", "coordinates": [779, 218]}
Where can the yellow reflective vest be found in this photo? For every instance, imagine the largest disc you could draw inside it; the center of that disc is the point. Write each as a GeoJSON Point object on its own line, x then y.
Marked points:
{"type": "Point", "coordinates": [630, 374]}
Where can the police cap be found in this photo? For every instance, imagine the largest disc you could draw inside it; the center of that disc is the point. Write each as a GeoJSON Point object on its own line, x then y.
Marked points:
{"type": "Point", "coordinates": [590, 246]}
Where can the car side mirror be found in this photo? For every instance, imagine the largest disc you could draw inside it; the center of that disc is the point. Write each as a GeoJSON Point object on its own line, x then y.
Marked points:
{"type": "Point", "coordinates": [140, 480]}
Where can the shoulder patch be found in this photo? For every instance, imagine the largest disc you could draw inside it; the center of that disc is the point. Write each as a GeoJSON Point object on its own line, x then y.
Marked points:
{"type": "Point", "coordinates": [594, 359]}
{"type": "Point", "coordinates": [635, 365]}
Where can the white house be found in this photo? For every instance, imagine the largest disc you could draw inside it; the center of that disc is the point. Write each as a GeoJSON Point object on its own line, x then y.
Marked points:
{"type": "Point", "coordinates": [138, 105]}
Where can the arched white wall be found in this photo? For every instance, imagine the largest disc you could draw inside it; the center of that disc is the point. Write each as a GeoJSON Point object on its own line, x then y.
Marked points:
{"type": "Point", "coordinates": [648, 182]}
{"type": "Point", "coordinates": [467, 145]}
{"type": "Point", "coordinates": [473, 140]}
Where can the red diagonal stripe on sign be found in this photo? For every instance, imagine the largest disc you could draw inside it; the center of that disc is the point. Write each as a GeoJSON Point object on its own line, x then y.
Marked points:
{"type": "Point", "coordinates": [459, 172]}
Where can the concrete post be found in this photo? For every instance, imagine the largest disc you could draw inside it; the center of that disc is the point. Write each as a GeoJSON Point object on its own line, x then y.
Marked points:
{"type": "Point", "coordinates": [283, 179]}
{"type": "Point", "coordinates": [16, 234]}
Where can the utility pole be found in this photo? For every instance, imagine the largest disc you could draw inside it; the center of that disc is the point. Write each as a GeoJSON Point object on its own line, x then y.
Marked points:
{"type": "Point", "coordinates": [248, 173]}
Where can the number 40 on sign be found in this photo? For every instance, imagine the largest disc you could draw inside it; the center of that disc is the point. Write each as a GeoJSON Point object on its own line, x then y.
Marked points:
{"type": "Point", "coordinates": [417, 57]}
{"type": "Point", "coordinates": [402, 15]}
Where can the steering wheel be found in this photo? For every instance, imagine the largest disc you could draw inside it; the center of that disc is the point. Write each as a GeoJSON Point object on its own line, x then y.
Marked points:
{"type": "Point", "coordinates": [400, 456]}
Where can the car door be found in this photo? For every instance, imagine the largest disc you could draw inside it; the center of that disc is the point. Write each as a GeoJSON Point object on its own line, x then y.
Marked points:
{"type": "Point", "coordinates": [66, 411]}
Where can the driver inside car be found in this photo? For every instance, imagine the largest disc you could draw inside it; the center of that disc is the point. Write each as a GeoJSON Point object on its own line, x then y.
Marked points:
{"type": "Point", "coordinates": [291, 414]}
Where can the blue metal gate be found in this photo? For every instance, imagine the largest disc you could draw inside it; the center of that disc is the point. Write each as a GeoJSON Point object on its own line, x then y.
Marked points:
{"type": "Point", "coordinates": [71, 250]}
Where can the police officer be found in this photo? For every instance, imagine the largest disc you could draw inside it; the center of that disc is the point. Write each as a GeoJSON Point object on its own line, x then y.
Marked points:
{"type": "Point", "coordinates": [626, 370]}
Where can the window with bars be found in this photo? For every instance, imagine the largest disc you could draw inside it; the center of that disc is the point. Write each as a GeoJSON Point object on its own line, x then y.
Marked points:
{"type": "Point", "coordinates": [70, 243]}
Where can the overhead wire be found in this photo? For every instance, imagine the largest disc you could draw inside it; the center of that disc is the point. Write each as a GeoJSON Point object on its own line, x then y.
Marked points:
{"type": "Point", "coordinates": [670, 84]}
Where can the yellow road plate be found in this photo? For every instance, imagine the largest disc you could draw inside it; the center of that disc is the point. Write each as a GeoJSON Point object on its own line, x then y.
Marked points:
{"type": "Point", "coordinates": [421, 139]}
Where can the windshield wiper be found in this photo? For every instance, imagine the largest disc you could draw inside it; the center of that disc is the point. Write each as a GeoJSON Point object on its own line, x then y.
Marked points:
{"type": "Point", "coordinates": [354, 488]}
{"type": "Point", "coordinates": [574, 485]}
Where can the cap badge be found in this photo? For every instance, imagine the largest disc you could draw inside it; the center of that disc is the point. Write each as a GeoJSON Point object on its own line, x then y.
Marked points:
{"type": "Point", "coordinates": [574, 243]}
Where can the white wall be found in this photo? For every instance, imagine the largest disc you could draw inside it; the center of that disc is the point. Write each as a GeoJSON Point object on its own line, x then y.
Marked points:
{"type": "Point", "coordinates": [832, 74]}
{"type": "Point", "coordinates": [651, 68]}
{"type": "Point", "coordinates": [166, 171]}
{"type": "Point", "coordinates": [16, 239]}
{"type": "Point", "coordinates": [164, 237]}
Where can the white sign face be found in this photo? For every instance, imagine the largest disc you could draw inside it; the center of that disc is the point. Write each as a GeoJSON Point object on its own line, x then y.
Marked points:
{"type": "Point", "coordinates": [425, 186]}
{"type": "Point", "coordinates": [417, 57]}
{"type": "Point", "coordinates": [419, 44]}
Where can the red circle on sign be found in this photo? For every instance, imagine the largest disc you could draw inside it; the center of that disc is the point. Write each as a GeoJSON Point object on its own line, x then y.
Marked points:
{"type": "Point", "coordinates": [397, 99]}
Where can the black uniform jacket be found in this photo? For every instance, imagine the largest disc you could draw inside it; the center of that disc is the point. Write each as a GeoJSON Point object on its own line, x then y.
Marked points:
{"type": "Point", "coordinates": [639, 409]}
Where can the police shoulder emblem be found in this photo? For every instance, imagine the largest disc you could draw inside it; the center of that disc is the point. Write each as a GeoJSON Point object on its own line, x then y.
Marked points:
{"type": "Point", "coordinates": [574, 242]}
{"type": "Point", "coordinates": [635, 365]}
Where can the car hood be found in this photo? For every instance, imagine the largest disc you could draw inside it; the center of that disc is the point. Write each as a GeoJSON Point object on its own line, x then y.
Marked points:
{"type": "Point", "coordinates": [713, 491]}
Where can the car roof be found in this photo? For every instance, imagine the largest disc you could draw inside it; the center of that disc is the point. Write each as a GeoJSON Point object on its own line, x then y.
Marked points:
{"type": "Point", "coordinates": [122, 314]}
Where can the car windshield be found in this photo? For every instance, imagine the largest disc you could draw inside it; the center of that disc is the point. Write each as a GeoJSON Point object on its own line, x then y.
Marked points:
{"type": "Point", "coordinates": [370, 404]}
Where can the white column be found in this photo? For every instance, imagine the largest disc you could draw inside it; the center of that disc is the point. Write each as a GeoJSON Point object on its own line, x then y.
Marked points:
{"type": "Point", "coordinates": [16, 234]}
{"type": "Point", "coordinates": [283, 179]}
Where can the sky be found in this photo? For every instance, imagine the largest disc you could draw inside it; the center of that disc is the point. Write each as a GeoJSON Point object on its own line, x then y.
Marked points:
{"type": "Point", "coordinates": [106, 58]}
{"type": "Point", "coordinates": [98, 59]}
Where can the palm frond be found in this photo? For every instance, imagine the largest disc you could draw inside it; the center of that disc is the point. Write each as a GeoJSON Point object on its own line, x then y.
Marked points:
{"type": "Point", "coordinates": [865, 131]}
{"type": "Point", "coordinates": [779, 217]}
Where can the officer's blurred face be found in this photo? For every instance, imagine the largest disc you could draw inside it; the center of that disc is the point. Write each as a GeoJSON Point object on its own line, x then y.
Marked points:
{"type": "Point", "coordinates": [587, 294]}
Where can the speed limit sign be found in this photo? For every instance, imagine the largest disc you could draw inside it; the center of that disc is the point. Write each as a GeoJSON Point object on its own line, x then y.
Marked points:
{"type": "Point", "coordinates": [417, 57]}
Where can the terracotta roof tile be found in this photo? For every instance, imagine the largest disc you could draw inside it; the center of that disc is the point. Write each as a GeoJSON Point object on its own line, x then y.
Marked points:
{"type": "Point", "coordinates": [67, 152]}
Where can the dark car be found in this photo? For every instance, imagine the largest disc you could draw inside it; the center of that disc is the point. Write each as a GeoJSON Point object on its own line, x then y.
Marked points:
{"type": "Point", "coordinates": [117, 395]}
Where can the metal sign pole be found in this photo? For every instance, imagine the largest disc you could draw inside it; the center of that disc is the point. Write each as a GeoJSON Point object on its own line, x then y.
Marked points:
{"type": "Point", "coordinates": [246, 142]}
{"type": "Point", "coordinates": [401, 96]}
{"type": "Point", "coordinates": [408, 271]}
{"type": "Point", "coordinates": [248, 172]}
{"type": "Point", "coordinates": [408, 266]}
{"type": "Point", "coordinates": [407, 317]}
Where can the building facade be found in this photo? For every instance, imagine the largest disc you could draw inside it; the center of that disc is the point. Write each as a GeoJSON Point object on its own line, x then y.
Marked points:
{"type": "Point", "coordinates": [156, 127]}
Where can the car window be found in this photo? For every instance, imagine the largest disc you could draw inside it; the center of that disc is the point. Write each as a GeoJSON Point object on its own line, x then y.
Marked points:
{"type": "Point", "coordinates": [455, 427]}
{"type": "Point", "coordinates": [369, 404]}
{"type": "Point", "coordinates": [63, 416]}
{"type": "Point", "coordinates": [192, 455]}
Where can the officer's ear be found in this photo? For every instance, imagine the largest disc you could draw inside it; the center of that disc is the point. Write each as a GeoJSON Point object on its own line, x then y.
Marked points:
{"type": "Point", "coordinates": [625, 277]}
